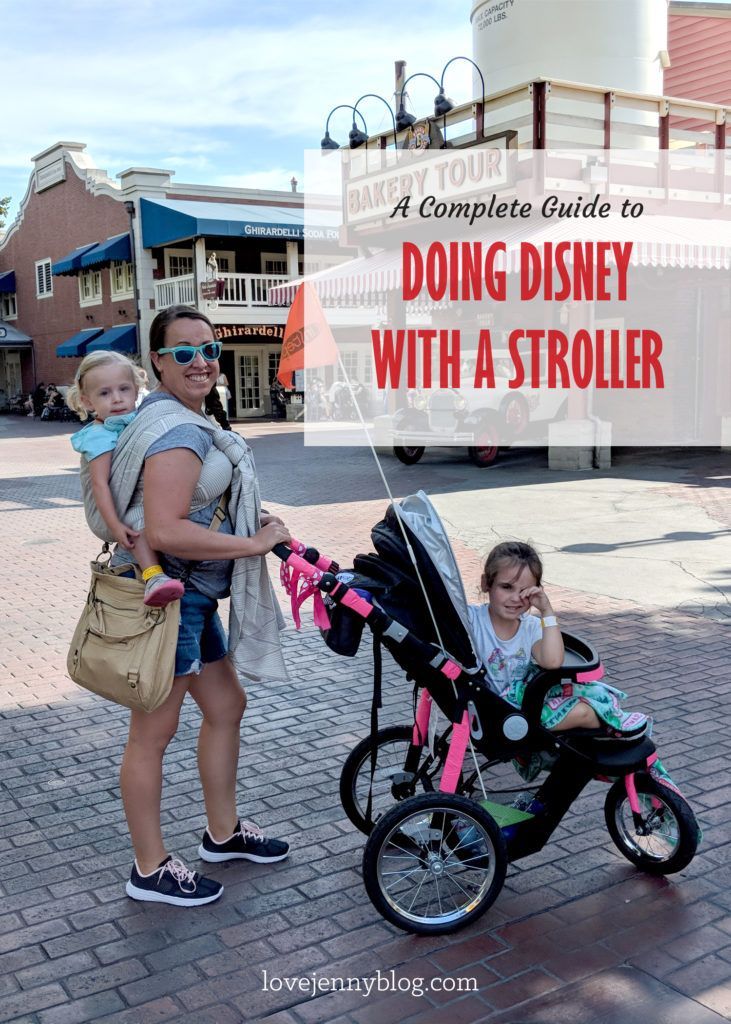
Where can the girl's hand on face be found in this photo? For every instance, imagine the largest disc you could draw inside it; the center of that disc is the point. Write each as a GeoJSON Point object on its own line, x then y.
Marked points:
{"type": "Point", "coordinates": [537, 598]}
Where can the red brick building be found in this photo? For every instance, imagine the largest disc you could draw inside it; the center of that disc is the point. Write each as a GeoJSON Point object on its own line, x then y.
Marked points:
{"type": "Point", "coordinates": [60, 213]}
{"type": "Point", "coordinates": [89, 261]}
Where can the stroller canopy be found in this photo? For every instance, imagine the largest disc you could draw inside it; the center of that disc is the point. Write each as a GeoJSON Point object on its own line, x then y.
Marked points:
{"type": "Point", "coordinates": [437, 568]}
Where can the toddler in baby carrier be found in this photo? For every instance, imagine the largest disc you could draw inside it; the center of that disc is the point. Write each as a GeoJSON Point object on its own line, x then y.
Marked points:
{"type": "Point", "coordinates": [430, 795]}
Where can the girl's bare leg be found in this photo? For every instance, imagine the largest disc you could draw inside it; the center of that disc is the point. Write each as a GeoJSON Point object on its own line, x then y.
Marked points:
{"type": "Point", "coordinates": [582, 716]}
{"type": "Point", "coordinates": [144, 554]}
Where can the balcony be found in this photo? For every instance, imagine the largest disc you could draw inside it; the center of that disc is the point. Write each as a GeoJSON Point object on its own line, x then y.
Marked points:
{"type": "Point", "coordinates": [243, 290]}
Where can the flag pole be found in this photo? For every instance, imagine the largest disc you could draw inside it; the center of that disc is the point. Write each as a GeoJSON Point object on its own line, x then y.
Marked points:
{"type": "Point", "coordinates": [410, 550]}
{"type": "Point", "coordinates": [391, 498]}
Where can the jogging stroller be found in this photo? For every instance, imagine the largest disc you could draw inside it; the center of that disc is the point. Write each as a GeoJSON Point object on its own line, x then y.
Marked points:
{"type": "Point", "coordinates": [439, 840]}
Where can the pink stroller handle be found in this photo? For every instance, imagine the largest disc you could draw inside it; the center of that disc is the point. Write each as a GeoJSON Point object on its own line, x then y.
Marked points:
{"type": "Point", "coordinates": [323, 562]}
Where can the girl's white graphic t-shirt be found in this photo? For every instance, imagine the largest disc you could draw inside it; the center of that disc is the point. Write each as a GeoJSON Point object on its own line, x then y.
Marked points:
{"type": "Point", "coordinates": [506, 661]}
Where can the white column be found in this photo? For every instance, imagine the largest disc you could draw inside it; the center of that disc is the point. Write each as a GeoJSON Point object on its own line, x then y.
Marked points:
{"type": "Point", "coordinates": [199, 264]}
{"type": "Point", "coordinates": [292, 259]}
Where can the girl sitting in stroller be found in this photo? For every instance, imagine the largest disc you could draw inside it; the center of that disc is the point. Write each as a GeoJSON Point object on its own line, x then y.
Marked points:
{"type": "Point", "coordinates": [509, 640]}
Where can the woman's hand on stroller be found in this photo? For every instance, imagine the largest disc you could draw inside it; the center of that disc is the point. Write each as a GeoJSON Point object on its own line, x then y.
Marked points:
{"type": "Point", "coordinates": [273, 532]}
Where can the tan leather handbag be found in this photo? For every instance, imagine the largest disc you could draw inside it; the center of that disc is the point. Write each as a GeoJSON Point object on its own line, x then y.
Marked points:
{"type": "Point", "coordinates": [121, 649]}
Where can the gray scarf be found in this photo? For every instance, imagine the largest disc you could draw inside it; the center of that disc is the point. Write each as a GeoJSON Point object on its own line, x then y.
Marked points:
{"type": "Point", "coordinates": [255, 618]}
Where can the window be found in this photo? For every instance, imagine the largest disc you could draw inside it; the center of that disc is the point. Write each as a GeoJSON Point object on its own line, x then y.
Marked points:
{"type": "Point", "coordinates": [8, 306]}
{"type": "Point", "coordinates": [178, 262]}
{"type": "Point", "coordinates": [44, 281]}
{"type": "Point", "coordinates": [274, 263]}
{"type": "Point", "coordinates": [319, 261]}
{"type": "Point", "coordinates": [122, 279]}
{"type": "Point", "coordinates": [90, 288]}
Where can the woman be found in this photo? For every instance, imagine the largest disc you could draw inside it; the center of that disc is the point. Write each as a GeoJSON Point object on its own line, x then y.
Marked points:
{"type": "Point", "coordinates": [185, 474]}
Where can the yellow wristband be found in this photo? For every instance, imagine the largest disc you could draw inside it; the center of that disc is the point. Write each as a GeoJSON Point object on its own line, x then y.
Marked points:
{"type": "Point", "coordinates": [150, 571]}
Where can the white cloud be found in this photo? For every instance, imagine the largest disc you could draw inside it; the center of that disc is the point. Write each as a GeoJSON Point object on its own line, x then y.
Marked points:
{"type": "Point", "coordinates": [211, 90]}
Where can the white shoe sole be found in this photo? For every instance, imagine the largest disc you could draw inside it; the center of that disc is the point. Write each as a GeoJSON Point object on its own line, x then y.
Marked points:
{"type": "Point", "coordinates": [217, 858]}
{"type": "Point", "coordinates": [147, 896]}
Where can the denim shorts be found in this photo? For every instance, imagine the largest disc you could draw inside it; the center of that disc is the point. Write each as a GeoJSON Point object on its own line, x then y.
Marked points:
{"type": "Point", "coordinates": [201, 637]}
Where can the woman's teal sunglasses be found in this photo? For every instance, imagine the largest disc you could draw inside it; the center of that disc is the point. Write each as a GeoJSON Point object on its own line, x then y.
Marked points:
{"type": "Point", "coordinates": [184, 354]}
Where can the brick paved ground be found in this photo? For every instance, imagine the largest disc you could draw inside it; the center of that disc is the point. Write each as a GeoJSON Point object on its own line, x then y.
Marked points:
{"type": "Point", "coordinates": [577, 934]}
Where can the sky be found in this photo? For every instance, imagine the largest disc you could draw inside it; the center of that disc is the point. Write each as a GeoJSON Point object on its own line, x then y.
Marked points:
{"type": "Point", "coordinates": [223, 93]}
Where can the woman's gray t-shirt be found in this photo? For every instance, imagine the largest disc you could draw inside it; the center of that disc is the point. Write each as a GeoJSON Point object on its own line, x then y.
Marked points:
{"type": "Point", "coordinates": [211, 577]}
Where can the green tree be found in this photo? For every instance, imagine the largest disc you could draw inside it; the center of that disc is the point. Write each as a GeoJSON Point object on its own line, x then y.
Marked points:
{"type": "Point", "coordinates": [4, 204]}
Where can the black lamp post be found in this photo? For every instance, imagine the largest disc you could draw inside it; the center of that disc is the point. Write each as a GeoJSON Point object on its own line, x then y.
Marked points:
{"type": "Point", "coordinates": [358, 138]}
{"type": "Point", "coordinates": [327, 143]}
{"type": "Point", "coordinates": [442, 104]}
{"type": "Point", "coordinates": [404, 119]}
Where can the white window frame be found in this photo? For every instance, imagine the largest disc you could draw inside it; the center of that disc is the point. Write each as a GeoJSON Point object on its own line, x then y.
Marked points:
{"type": "Point", "coordinates": [44, 279]}
{"type": "Point", "coordinates": [121, 280]}
{"type": "Point", "coordinates": [280, 257]}
{"type": "Point", "coordinates": [8, 306]}
{"type": "Point", "coordinates": [319, 261]}
{"type": "Point", "coordinates": [185, 254]}
{"type": "Point", "coordinates": [90, 288]}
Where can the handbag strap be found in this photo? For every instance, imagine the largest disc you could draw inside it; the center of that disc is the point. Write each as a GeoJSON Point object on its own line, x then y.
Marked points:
{"type": "Point", "coordinates": [214, 526]}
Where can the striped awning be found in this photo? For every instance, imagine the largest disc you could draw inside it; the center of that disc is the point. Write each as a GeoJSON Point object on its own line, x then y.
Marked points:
{"type": "Point", "coordinates": [658, 242]}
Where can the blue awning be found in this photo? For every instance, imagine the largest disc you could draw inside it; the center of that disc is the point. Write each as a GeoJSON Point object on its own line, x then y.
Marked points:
{"type": "Point", "coordinates": [7, 281]}
{"type": "Point", "coordinates": [122, 338]}
{"type": "Point", "coordinates": [165, 221]}
{"type": "Point", "coordinates": [11, 337]}
{"type": "Point", "coordinates": [116, 248]}
{"type": "Point", "coordinates": [71, 264]}
{"type": "Point", "coordinates": [76, 345]}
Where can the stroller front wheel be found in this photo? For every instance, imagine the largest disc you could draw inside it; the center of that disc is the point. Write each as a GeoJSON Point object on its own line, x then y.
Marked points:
{"type": "Point", "coordinates": [668, 837]}
{"type": "Point", "coordinates": [434, 863]}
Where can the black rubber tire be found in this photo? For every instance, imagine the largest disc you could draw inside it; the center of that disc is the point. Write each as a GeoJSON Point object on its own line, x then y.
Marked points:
{"type": "Point", "coordinates": [408, 455]}
{"type": "Point", "coordinates": [358, 767]}
{"type": "Point", "coordinates": [676, 813]}
{"type": "Point", "coordinates": [485, 453]}
{"type": "Point", "coordinates": [419, 806]}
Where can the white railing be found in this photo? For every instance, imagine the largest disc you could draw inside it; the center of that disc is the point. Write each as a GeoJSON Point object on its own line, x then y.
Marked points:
{"type": "Point", "coordinates": [175, 291]}
{"type": "Point", "coordinates": [239, 290]}
{"type": "Point", "coordinates": [249, 289]}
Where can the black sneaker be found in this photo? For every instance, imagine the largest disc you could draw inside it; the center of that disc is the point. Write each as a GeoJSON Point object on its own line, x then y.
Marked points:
{"type": "Point", "coordinates": [247, 843]}
{"type": "Point", "coordinates": [173, 883]}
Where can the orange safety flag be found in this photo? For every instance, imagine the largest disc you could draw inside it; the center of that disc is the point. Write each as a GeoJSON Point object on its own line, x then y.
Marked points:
{"type": "Point", "coordinates": [312, 333]}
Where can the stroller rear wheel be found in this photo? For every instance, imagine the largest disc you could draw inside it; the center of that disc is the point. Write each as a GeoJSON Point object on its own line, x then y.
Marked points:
{"type": "Point", "coordinates": [666, 840]}
{"type": "Point", "coordinates": [434, 863]}
{"type": "Point", "coordinates": [395, 778]}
